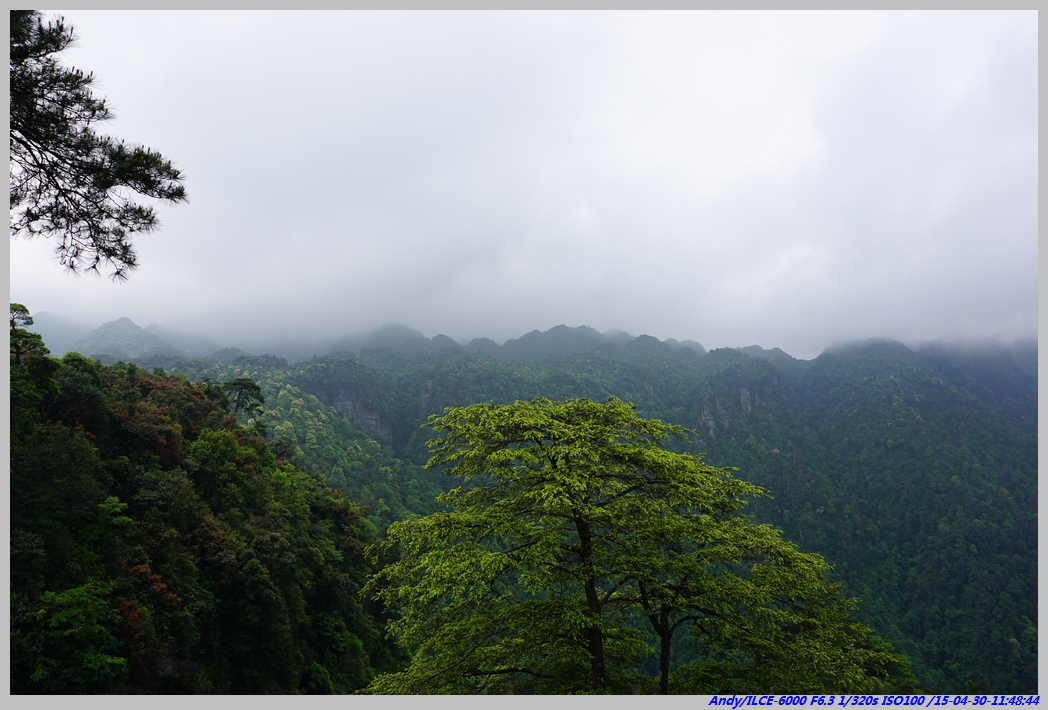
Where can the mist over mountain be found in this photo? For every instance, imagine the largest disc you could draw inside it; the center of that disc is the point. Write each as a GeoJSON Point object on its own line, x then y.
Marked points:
{"type": "Point", "coordinates": [912, 468]}
{"type": "Point", "coordinates": [122, 339]}
{"type": "Point", "coordinates": [59, 332]}
{"type": "Point", "coordinates": [194, 345]}
{"type": "Point", "coordinates": [842, 207]}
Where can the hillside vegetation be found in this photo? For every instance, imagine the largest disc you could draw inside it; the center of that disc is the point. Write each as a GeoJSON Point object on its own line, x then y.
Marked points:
{"type": "Point", "coordinates": [912, 472]}
{"type": "Point", "coordinates": [158, 544]}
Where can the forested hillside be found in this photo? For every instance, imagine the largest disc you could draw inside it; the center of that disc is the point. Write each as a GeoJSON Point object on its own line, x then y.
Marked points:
{"type": "Point", "coordinates": [913, 472]}
{"type": "Point", "coordinates": [158, 544]}
{"type": "Point", "coordinates": [309, 510]}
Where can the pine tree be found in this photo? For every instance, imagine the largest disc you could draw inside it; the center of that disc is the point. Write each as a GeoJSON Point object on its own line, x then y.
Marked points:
{"type": "Point", "coordinates": [68, 182]}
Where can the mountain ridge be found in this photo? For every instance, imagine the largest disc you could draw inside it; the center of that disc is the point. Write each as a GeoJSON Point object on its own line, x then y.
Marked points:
{"type": "Point", "coordinates": [557, 343]}
{"type": "Point", "coordinates": [912, 469]}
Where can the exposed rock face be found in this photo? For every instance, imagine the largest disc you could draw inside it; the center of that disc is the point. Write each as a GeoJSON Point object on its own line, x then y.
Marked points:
{"type": "Point", "coordinates": [723, 414]}
{"type": "Point", "coordinates": [707, 418]}
{"type": "Point", "coordinates": [173, 665]}
{"type": "Point", "coordinates": [424, 398]}
{"type": "Point", "coordinates": [744, 399]}
{"type": "Point", "coordinates": [346, 404]}
{"type": "Point", "coordinates": [719, 414]}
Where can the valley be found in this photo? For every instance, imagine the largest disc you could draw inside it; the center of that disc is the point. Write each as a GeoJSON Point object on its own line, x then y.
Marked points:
{"type": "Point", "coordinates": [912, 471]}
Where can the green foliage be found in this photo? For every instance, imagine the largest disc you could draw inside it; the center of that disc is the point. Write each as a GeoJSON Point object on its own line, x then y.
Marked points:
{"type": "Point", "coordinates": [76, 636]}
{"type": "Point", "coordinates": [304, 428]}
{"type": "Point", "coordinates": [23, 342]}
{"type": "Point", "coordinates": [67, 181]}
{"type": "Point", "coordinates": [912, 472]}
{"type": "Point", "coordinates": [243, 393]}
{"type": "Point", "coordinates": [915, 473]}
{"type": "Point", "coordinates": [572, 519]}
{"type": "Point", "coordinates": [157, 545]}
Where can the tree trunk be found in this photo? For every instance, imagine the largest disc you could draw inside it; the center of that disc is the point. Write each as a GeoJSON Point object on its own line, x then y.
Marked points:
{"type": "Point", "coordinates": [596, 643]}
{"type": "Point", "coordinates": [665, 636]}
{"type": "Point", "coordinates": [664, 631]}
{"type": "Point", "coordinates": [598, 677]}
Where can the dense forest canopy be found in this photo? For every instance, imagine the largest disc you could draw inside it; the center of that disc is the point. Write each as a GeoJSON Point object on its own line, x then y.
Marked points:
{"type": "Point", "coordinates": [160, 544]}
{"type": "Point", "coordinates": [911, 472]}
{"type": "Point", "coordinates": [596, 513]}
{"type": "Point", "coordinates": [578, 554]}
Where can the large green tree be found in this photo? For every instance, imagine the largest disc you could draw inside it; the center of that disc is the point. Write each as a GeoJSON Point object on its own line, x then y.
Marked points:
{"type": "Point", "coordinates": [24, 342]}
{"type": "Point", "coordinates": [68, 182]}
{"type": "Point", "coordinates": [576, 532]}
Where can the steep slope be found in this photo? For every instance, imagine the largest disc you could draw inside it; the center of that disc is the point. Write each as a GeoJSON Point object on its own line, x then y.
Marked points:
{"type": "Point", "coordinates": [158, 545]}
{"type": "Point", "coordinates": [914, 472]}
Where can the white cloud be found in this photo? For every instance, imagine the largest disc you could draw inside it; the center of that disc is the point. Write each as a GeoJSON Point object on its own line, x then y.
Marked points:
{"type": "Point", "coordinates": [775, 178]}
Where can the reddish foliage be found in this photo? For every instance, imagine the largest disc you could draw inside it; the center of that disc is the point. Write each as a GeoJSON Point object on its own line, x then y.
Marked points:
{"type": "Point", "coordinates": [133, 626]}
{"type": "Point", "coordinates": [80, 428]}
{"type": "Point", "coordinates": [144, 573]}
{"type": "Point", "coordinates": [153, 426]}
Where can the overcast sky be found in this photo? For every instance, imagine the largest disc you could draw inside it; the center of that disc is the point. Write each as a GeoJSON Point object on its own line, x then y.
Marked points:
{"type": "Point", "coordinates": [782, 179]}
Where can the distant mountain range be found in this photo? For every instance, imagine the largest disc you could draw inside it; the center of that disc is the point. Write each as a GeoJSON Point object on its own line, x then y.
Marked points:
{"type": "Point", "coordinates": [122, 339]}
{"type": "Point", "coordinates": [60, 333]}
{"type": "Point", "coordinates": [912, 469]}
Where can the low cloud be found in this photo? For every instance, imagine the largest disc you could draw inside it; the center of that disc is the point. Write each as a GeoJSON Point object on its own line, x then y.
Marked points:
{"type": "Point", "coordinates": [790, 180]}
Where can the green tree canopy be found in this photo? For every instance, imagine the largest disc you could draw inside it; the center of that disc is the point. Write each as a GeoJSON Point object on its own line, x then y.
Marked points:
{"type": "Point", "coordinates": [67, 181]}
{"type": "Point", "coordinates": [157, 545]}
{"type": "Point", "coordinates": [575, 538]}
{"type": "Point", "coordinates": [243, 393]}
{"type": "Point", "coordinates": [22, 341]}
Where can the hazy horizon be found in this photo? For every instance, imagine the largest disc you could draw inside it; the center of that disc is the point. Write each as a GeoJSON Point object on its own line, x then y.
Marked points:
{"type": "Point", "coordinates": [322, 345]}
{"type": "Point", "coordinates": [782, 179]}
